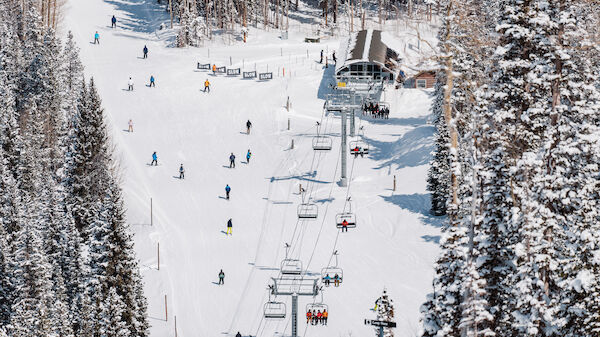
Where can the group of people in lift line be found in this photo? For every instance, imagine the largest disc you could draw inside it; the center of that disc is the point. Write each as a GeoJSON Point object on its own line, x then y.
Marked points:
{"type": "Point", "coordinates": [375, 111]}
{"type": "Point", "coordinates": [317, 317]}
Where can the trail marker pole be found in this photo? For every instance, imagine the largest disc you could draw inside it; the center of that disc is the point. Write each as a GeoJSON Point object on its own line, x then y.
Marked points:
{"type": "Point", "coordinates": [292, 144]}
{"type": "Point", "coordinates": [288, 124]}
{"type": "Point", "coordinates": [394, 183]}
{"type": "Point", "coordinates": [158, 253]}
{"type": "Point", "coordinates": [166, 312]}
{"type": "Point", "coordinates": [176, 327]}
{"type": "Point", "coordinates": [230, 62]}
{"type": "Point", "coordinates": [151, 221]}
{"type": "Point", "coordinates": [287, 107]}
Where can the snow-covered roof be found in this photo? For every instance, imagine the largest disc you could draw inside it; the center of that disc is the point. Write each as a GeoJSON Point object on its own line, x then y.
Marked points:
{"type": "Point", "coordinates": [363, 46]}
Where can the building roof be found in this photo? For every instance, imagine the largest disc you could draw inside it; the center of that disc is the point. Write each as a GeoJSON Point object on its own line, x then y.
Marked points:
{"type": "Point", "coordinates": [425, 72]}
{"type": "Point", "coordinates": [363, 46]}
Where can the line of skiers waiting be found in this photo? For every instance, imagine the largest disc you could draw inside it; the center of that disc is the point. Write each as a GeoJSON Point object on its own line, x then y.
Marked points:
{"type": "Point", "coordinates": [317, 317]}
{"type": "Point", "coordinates": [376, 111]}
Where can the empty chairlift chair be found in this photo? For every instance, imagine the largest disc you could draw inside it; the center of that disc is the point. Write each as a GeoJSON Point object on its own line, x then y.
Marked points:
{"type": "Point", "coordinates": [291, 267]}
{"type": "Point", "coordinates": [308, 211]}
{"type": "Point", "coordinates": [322, 143]}
{"type": "Point", "coordinates": [274, 310]}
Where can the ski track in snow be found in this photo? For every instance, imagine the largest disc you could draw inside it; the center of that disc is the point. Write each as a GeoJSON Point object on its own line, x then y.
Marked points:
{"type": "Point", "coordinates": [394, 245]}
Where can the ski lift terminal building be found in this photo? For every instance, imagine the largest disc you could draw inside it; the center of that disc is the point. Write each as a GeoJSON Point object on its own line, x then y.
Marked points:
{"type": "Point", "coordinates": [365, 56]}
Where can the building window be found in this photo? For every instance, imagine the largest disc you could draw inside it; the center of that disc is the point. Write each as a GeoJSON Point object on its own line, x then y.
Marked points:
{"type": "Point", "coordinates": [421, 83]}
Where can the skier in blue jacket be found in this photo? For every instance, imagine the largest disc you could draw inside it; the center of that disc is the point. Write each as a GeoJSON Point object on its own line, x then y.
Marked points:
{"type": "Point", "coordinates": [227, 190]}
{"type": "Point", "coordinates": [154, 159]}
{"type": "Point", "coordinates": [97, 38]}
{"type": "Point", "coordinates": [113, 22]}
{"type": "Point", "coordinates": [248, 155]}
{"type": "Point", "coordinates": [152, 81]}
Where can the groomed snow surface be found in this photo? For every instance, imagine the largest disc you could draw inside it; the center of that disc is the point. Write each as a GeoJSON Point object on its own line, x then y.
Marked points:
{"type": "Point", "coordinates": [396, 240]}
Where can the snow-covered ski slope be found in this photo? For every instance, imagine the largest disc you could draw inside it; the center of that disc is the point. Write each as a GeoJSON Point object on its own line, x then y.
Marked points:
{"type": "Point", "coordinates": [394, 245]}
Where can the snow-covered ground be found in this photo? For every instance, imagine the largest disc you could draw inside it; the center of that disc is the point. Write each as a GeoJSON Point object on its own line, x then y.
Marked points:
{"type": "Point", "coordinates": [393, 246]}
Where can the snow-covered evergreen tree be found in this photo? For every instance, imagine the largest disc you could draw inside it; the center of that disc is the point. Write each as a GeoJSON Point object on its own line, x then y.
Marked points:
{"type": "Point", "coordinates": [385, 312]}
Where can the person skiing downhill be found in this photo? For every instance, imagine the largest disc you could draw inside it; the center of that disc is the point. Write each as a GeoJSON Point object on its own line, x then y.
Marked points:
{"type": "Point", "coordinates": [130, 124]}
{"type": "Point", "coordinates": [154, 159]}
{"type": "Point", "coordinates": [113, 22]}
{"type": "Point", "coordinates": [232, 160]}
{"type": "Point", "coordinates": [229, 227]}
{"type": "Point", "coordinates": [152, 84]}
{"type": "Point", "coordinates": [145, 50]}
{"type": "Point", "coordinates": [207, 85]}
{"type": "Point", "coordinates": [227, 190]}
{"type": "Point", "coordinates": [181, 172]}
{"type": "Point", "coordinates": [248, 126]}
{"type": "Point", "coordinates": [221, 277]}
{"type": "Point", "coordinates": [248, 155]}
{"type": "Point", "coordinates": [96, 38]}
{"type": "Point", "coordinates": [130, 85]}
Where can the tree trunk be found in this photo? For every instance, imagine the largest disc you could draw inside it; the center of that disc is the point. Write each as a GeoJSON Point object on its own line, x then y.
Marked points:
{"type": "Point", "coordinates": [335, 10]}
{"type": "Point", "coordinates": [171, 12]}
{"type": "Point", "coordinates": [448, 115]}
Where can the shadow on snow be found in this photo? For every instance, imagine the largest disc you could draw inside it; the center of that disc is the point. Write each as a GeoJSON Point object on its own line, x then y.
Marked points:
{"type": "Point", "coordinates": [412, 149]}
{"type": "Point", "coordinates": [143, 16]}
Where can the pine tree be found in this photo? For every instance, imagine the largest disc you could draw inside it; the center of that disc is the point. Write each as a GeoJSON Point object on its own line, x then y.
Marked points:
{"type": "Point", "coordinates": [385, 312]}
{"type": "Point", "coordinates": [114, 316]}
{"type": "Point", "coordinates": [438, 179]}
{"type": "Point", "coordinates": [86, 179]}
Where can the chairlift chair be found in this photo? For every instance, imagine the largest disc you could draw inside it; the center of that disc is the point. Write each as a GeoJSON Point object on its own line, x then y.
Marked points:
{"type": "Point", "coordinates": [308, 211]}
{"type": "Point", "coordinates": [291, 267]}
{"type": "Point", "coordinates": [274, 310]}
{"type": "Point", "coordinates": [348, 216]}
{"type": "Point", "coordinates": [331, 272]}
{"type": "Point", "coordinates": [322, 143]}
{"type": "Point", "coordinates": [317, 307]}
{"type": "Point", "coordinates": [359, 147]}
